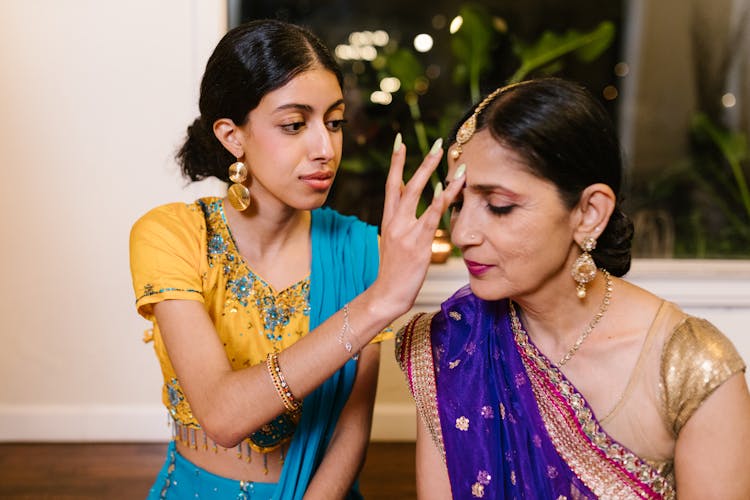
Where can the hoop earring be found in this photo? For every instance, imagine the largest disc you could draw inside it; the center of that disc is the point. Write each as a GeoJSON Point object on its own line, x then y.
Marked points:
{"type": "Point", "coordinates": [584, 268]}
{"type": "Point", "coordinates": [238, 193]}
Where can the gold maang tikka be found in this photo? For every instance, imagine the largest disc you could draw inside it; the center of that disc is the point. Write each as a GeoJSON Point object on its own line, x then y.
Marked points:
{"type": "Point", "coordinates": [467, 128]}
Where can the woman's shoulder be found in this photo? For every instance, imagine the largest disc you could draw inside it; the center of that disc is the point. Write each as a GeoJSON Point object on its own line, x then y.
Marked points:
{"type": "Point", "coordinates": [174, 218]}
{"type": "Point", "coordinates": [696, 359]}
{"type": "Point", "coordinates": [175, 212]}
{"type": "Point", "coordinates": [413, 336]}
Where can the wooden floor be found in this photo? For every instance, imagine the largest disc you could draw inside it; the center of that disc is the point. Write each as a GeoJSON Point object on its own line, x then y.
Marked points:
{"type": "Point", "coordinates": [96, 471]}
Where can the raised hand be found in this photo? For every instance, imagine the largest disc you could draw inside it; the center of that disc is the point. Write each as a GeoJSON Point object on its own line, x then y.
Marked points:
{"type": "Point", "coordinates": [406, 240]}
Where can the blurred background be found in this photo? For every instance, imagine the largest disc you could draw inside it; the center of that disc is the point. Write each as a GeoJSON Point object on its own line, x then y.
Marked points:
{"type": "Point", "coordinates": [674, 75]}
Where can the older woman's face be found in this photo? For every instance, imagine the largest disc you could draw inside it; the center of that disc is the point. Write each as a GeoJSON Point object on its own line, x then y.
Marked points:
{"type": "Point", "coordinates": [512, 228]}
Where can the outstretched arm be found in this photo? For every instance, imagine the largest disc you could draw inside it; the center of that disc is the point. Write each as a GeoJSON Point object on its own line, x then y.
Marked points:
{"type": "Point", "coordinates": [226, 402]}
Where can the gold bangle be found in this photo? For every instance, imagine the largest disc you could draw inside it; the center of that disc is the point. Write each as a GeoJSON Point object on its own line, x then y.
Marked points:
{"type": "Point", "coordinates": [279, 383]}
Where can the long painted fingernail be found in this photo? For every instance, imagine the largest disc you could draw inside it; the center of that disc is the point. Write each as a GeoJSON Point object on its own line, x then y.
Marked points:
{"type": "Point", "coordinates": [397, 143]}
{"type": "Point", "coordinates": [438, 190]}
{"type": "Point", "coordinates": [460, 171]}
{"type": "Point", "coordinates": [436, 146]}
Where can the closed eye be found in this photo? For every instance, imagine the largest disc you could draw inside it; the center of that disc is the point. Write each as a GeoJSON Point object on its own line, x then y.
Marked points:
{"type": "Point", "coordinates": [501, 210]}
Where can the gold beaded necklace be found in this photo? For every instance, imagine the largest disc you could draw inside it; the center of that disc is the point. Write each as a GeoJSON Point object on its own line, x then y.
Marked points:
{"type": "Point", "coordinates": [594, 321]}
{"type": "Point", "coordinates": [602, 309]}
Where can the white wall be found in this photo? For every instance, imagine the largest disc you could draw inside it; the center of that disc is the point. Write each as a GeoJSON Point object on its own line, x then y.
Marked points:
{"type": "Point", "coordinates": [94, 98]}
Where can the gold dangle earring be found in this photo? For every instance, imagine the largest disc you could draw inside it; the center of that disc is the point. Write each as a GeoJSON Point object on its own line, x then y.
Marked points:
{"type": "Point", "coordinates": [238, 193]}
{"type": "Point", "coordinates": [584, 268]}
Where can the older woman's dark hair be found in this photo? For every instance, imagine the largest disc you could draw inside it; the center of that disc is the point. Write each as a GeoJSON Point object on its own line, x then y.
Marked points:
{"type": "Point", "coordinates": [250, 61]}
{"type": "Point", "coordinates": [565, 135]}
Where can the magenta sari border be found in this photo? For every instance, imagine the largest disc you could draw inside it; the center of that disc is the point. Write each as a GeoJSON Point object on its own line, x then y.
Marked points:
{"type": "Point", "coordinates": [642, 478]}
{"type": "Point", "coordinates": [594, 447]}
{"type": "Point", "coordinates": [559, 402]}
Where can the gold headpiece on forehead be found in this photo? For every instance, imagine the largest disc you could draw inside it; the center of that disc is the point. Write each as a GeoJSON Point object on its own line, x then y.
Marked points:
{"type": "Point", "coordinates": [468, 127]}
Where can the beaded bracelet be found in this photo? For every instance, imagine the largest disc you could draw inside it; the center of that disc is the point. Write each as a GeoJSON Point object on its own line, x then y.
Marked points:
{"type": "Point", "coordinates": [347, 328]}
{"type": "Point", "coordinates": [279, 382]}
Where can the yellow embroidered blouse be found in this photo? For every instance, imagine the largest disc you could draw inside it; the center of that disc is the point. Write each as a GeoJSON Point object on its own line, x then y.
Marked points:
{"type": "Point", "coordinates": [186, 251]}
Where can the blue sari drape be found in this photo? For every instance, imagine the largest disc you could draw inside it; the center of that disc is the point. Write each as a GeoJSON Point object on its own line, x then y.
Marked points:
{"type": "Point", "coordinates": [496, 444]}
{"type": "Point", "coordinates": [345, 259]}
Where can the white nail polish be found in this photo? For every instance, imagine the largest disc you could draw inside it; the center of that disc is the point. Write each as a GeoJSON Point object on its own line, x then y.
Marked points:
{"type": "Point", "coordinates": [460, 171]}
{"type": "Point", "coordinates": [397, 143]}
{"type": "Point", "coordinates": [436, 146]}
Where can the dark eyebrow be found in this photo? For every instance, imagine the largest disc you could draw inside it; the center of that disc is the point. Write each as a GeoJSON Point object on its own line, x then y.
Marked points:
{"type": "Point", "coordinates": [484, 188]}
{"type": "Point", "coordinates": [307, 108]}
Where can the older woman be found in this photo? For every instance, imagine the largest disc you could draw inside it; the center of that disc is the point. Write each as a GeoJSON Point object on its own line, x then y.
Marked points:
{"type": "Point", "coordinates": [549, 376]}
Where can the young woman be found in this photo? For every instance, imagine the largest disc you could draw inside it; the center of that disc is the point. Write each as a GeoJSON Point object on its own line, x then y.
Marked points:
{"type": "Point", "coordinates": [549, 377]}
{"type": "Point", "coordinates": [267, 309]}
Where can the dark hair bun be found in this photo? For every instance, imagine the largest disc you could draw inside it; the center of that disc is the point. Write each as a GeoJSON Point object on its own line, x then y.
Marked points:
{"type": "Point", "coordinates": [613, 246]}
{"type": "Point", "coordinates": [202, 152]}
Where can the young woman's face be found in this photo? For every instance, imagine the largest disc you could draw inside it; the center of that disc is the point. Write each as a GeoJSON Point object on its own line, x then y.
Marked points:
{"type": "Point", "coordinates": [512, 228]}
{"type": "Point", "coordinates": [293, 141]}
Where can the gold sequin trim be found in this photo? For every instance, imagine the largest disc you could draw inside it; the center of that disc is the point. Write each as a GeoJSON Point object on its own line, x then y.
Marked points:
{"type": "Point", "coordinates": [414, 354]}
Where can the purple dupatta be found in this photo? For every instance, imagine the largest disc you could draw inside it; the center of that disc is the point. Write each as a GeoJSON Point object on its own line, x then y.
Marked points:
{"type": "Point", "coordinates": [508, 423]}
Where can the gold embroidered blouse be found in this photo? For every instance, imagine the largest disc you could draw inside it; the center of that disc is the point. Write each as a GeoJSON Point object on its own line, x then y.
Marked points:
{"type": "Point", "coordinates": [186, 251]}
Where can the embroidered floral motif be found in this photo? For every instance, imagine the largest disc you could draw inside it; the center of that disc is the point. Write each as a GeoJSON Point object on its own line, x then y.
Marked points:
{"type": "Point", "coordinates": [502, 411]}
{"type": "Point", "coordinates": [455, 315]}
{"type": "Point", "coordinates": [487, 412]}
{"type": "Point", "coordinates": [477, 490]}
{"type": "Point", "coordinates": [241, 288]}
{"type": "Point", "coordinates": [513, 477]}
{"type": "Point", "coordinates": [216, 244]}
{"type": "Point", "coordinates": [484, 477]}
{"type": "Point", "coordinates": [454, 364]}
{"type": "Point", "coordinates": [537, 440]}
{"type": "Point", "coordinates": [462, 424]}
{"type": "Point", "coordinates": [178, 406]}
{"type": "Point", "coordinates": [247, 289]}
{"type": "Point", "coordinates": [551, 471]}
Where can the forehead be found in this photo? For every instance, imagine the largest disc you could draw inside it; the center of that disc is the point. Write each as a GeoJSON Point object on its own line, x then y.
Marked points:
{"type": "Point", "coordinates": [316, 87]}
{"type": "Point", "coordinates": [483, 152]}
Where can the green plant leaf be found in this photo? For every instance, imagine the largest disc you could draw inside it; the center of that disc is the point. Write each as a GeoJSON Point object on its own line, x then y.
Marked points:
{"type": "Point", "coordinates": [733, 146]}
{"type": "Point", "coordinates": [551, 47]}
{"type": "Point", "coordinates": [471, 46]}
{"type": "Point", "coordinates": [405, 66]}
